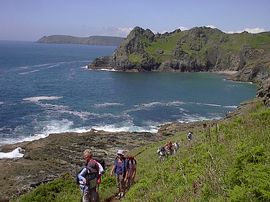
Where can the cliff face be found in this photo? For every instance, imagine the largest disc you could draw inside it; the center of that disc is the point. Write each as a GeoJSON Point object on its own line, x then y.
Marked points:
{"type": "Point", "coordinates": [197, 49]}
{"type": "Point", "coordinates": [92, 40]}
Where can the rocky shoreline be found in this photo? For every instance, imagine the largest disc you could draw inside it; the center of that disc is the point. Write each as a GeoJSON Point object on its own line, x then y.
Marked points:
{"type": "Point", "coordinates": [48, 158]}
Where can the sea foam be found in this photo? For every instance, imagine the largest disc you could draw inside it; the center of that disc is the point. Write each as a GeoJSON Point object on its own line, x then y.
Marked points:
{"type": "Point", "coordinates": [128, 128]}
{"type": "Point", "coordinates": [108, 104]}
{"type": "Point", "coordinates": [16, 153]}
{"type": "Point", "coordinates": [40, 98]}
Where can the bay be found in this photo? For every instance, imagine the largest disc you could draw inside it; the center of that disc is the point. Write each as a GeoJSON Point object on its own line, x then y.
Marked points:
{"type": "Point", "coordinates": [46, 88]}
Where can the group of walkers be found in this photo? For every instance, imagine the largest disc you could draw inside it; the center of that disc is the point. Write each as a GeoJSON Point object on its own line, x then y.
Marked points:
{"type": "Point", "coordinates": [124, 169]}
{"type": "Point", "coordinates": [89, 178]}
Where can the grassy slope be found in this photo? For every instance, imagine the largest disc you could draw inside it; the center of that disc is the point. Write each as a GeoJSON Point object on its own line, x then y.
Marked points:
{"type": "Point", "coordinates": [232, 163]}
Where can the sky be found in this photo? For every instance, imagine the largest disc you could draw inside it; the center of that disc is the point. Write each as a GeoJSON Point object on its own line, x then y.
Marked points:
{"type": "Point", "coordinates": [29, 20]}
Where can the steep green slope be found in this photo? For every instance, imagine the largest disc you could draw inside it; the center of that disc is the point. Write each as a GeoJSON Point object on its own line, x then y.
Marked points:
{"type": "Point", "coordinates": [228, 161]}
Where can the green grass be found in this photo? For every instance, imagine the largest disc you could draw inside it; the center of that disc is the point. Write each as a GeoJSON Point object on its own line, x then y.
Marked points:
{"type": "Point", "coordinates": [62, 189]}
{"type": "Point", "coordinates": [65, 189]}
{"type": "Point", "coordinates": [135, 58]}
{"type": "Point", "coordinates": [225, 43]}
{"type": "Point", "coordinates": [231, 163]}
{"type": "Point", "coordinates": [228, 161]}
{"type": "Point", "coordinates": [167, 44]}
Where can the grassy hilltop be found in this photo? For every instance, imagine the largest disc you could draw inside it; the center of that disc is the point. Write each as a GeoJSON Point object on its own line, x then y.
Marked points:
{"type": "Point", "coordinates": [228, 161]}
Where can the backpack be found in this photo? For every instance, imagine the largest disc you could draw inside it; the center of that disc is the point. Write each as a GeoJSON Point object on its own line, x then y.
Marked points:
{"type": "Point", "coordinates": [102, 163]}
{"type": "Point", "coordinates": [131, 161]}
{"type": "Point", "coordinates": [90, 174]}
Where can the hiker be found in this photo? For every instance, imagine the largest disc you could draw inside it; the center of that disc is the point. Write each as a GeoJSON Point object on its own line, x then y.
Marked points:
{"type": "Point", "coordinates": [189, 136]}
{"type": "Point", "coordinates": [162, 154]}
{"type": "Point", "coordinates": [131, 165]}
{"type": "Point", "coordinates": [168, 146]}
{"type": "Point", "coordinates": [88, 178]}
{"type": "Point", "coordinates": [175, 147]}
{"type": "Point", "coordinates": [119, 169]}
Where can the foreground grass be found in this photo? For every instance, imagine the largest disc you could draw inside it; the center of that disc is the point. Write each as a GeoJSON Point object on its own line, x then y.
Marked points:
{"type": "Point", "coordinates": [228, 161]}
{"type": "Point", "coordinates": [65, 189]}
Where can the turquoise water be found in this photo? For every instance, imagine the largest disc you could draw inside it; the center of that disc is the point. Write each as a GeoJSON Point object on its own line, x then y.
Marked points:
{"type": "Point", "coordinates": [45, 88]}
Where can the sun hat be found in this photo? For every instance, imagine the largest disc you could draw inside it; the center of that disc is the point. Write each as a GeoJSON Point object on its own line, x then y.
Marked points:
{"type": "Point", "coordinates": [120, 152]}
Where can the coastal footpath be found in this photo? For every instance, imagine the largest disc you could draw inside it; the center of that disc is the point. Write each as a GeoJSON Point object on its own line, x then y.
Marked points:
{"type": "Point", "coordinates": [194, 50]}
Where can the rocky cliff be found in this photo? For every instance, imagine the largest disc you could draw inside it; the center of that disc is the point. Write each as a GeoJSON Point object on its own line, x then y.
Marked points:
{"type": "Point", "coordinates": [92, 40]}
{"type": "Point", "coordinates": [197, 49]}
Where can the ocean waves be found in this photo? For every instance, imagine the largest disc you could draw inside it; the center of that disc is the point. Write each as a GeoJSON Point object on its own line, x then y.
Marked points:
{"type": "Point", "coordinates": [108, 104]}
{"type": "Point", "coordinates": [40, 130]}
{"type": "Point", "coordinates": [152, 105]}
{"type": "Point", "coordinates": [25, 70]}
{"type": "Point", "coordinates": [41, 98]}
{"type": "Point", "coordinates": [144, 117]}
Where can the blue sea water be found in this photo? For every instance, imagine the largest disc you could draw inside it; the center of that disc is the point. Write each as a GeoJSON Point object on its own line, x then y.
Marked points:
{"type": "Point", "coordinates": [46, 88]}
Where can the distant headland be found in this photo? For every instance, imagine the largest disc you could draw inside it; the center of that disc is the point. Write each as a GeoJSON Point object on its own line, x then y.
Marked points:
{"type": "Point", "coordinates": [91, 40]}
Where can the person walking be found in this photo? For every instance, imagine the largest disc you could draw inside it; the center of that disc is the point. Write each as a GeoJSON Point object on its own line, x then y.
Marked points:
{"type": "Point", "coordinates": [190, 136]}
{"type": "Point", "coordinates": [119, 170]}
{"type": "Point", "coordinates": [88, 178]}
{"type": "Point", "coordinates": [131, 165]}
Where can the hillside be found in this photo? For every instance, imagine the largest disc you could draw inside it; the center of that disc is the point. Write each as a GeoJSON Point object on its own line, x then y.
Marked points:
{"type": "Point", "coordinates": [197, 49]}
{"type": "Point", "coordinates": [227, 160]}
{"type": "Point", "coordinates": [91, 40]}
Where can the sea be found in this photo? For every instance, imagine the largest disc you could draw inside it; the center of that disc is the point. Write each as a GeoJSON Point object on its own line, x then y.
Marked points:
{"type": "Point", "coordinates": [47, 88]}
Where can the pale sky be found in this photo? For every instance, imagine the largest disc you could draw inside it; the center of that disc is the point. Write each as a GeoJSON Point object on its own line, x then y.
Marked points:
{"type": "Point", "coordinates": [31, 19]}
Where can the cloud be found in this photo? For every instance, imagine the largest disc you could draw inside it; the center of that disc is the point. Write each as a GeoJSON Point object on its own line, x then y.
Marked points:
{"type": "Point", "coordinates": [124, 31]}
{"type": "Point", "coordinates": [183, 28]}
{"type": "Point", "coordinates": [211, 26]}
{"type": "Point", "coordinates": [255, 30]}
{"type": "Point", "coordinates": [249, 30]}
{"type": "Point", "coordinates": [164, 31]}
{"type": "Point", "coordinates": [116, 31]}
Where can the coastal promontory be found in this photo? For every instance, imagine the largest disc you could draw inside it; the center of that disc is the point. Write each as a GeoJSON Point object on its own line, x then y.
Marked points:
{"type": "Point", "coordinates": [91, 40]}
{"type": "Point", "coordinates": [194, 50]}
